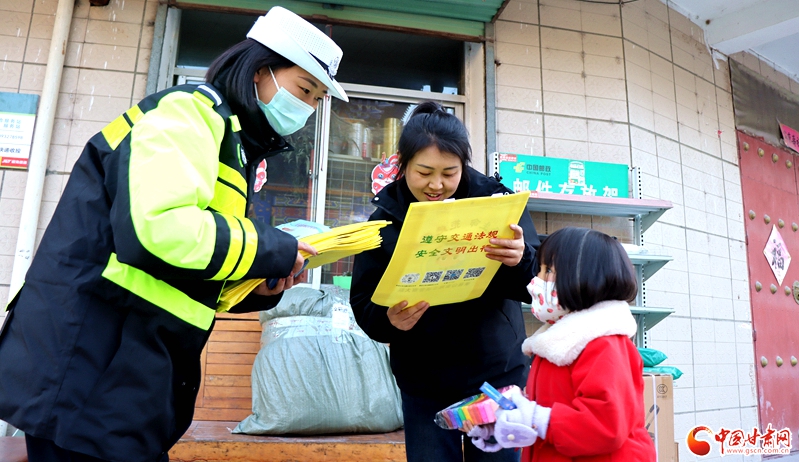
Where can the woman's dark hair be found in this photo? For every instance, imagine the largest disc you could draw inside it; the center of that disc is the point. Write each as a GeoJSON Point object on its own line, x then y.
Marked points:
{"type": "Point", "coordinates": [590, 267]}
{"type": "Point", "coordinates": [232, 74]}
{"type": "Point", "coordinates": [431, 125]}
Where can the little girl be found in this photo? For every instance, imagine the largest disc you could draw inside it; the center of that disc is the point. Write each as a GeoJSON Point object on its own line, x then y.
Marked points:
{"type": "Point", "coordinates": [585, 386]}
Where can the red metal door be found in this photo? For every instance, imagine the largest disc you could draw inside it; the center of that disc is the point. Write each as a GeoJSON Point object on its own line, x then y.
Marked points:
{"type": "Point", "coordinates": [771, 202]}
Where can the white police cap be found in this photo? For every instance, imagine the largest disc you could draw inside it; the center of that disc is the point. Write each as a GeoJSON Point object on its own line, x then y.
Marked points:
{"type": "Point", "coordinates": [302, 43]}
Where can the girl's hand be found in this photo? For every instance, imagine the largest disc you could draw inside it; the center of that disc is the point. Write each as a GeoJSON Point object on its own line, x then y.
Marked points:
{"type": "Point", "coordinates": [405, 318]}
{"type": "Point", "coordinates": [508, 251]}
{"type": "Point", "coordinates": [520, 427]}
{"type": "Point", "coordinates": [481, 436]}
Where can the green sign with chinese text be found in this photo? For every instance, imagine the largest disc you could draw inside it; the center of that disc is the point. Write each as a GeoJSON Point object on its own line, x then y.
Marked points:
{"type": "Point", "coordinates": [563, 176]}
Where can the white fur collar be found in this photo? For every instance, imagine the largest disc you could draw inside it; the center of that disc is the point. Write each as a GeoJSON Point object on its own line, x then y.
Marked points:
{"type": "Point", "coordinates": [561, 343]}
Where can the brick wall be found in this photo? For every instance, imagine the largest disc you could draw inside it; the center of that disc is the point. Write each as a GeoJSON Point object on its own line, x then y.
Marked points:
{"type": "Point", "coordinates": [105, 72]}
{"type": "Point", "coordinates": [636, 84]}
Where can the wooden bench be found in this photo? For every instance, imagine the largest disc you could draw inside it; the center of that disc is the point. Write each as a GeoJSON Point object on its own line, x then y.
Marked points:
{"type": "Point", "coordinates": [212, 441]}
{"type": "Point", "coordinates": [225, 398]}
{"type": "Point", "coordinates": [225, 392]}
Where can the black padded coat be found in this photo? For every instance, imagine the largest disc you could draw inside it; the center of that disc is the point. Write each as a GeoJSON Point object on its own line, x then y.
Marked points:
{"type": "Point", "coordinates": [453, 348]}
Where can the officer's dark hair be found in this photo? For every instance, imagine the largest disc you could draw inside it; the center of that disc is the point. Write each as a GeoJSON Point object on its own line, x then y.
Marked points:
{"type": "Point", "coordinates": [590, 267]}
{"type": "Point", "coordinates": [232, 74]}
{"type": "Point", "coordinates": [431, 125]}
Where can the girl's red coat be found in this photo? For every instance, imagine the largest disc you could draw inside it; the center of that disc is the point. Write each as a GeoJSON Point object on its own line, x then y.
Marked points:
{"type": "Point", "coordinates": [597, 405]}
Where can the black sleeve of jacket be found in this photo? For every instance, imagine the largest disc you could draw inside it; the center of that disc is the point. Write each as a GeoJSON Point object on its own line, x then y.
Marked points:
{"type": "Point", "coordinates": [511, 282]}
{"type": "Point", "coordinates": [277, 252]}
{"type": "Point", "coordinates": [255, 302]}
{"type": "Point", "coordinates": [367, 271]}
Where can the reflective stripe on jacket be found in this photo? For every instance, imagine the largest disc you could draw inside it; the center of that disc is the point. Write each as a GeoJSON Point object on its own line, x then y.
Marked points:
{"type": "Point", "coordinates": [101, 351]}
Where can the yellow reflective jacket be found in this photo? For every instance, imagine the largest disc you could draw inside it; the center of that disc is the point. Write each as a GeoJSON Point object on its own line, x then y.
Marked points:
{"type": "Point", "coordinates": [101, 349]}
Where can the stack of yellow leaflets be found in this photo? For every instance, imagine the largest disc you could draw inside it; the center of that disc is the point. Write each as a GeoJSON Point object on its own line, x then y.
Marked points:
{"type": "Point", "coordinates": [331, 244]}
{"type": "Point", "coordinates": [440, 256]}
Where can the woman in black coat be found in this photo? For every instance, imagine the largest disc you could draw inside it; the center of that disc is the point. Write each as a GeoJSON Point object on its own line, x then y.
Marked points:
{"type": "Point", "coordinates": [442, 354]}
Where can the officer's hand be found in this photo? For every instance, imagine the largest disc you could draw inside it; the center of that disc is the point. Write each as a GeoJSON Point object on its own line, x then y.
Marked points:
{"type": "Point", "coordinates": [294, 278]}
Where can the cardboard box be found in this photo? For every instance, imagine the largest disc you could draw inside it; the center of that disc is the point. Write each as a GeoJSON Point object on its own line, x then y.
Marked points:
{"type": "Point", "coordinates": [659, 414]}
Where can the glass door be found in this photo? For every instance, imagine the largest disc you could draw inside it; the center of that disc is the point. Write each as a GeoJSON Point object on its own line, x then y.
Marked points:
{"type": "Point", "coordinates": [363, 133]}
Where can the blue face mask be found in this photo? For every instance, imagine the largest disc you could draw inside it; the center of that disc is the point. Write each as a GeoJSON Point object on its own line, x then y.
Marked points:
{"type": "Point", "coordinates": [286, 113]}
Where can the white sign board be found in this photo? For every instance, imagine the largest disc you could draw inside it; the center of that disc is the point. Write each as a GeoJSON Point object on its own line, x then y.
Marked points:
{"type": "Point", "coordinates": [17, 119]}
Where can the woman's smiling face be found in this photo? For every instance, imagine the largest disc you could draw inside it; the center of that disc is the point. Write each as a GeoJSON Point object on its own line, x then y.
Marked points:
{"type": "Point", "coordinates": [433, 175]}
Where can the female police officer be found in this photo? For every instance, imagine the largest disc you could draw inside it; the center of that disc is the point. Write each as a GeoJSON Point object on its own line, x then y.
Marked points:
{"type": "Point", "coordinates": [100, 354]}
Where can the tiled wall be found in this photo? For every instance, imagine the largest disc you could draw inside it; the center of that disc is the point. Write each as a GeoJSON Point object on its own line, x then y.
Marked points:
{"type": "Point", "coordinates": [105, 72]}
{"type": "Point", "coordinates": [636, 84]}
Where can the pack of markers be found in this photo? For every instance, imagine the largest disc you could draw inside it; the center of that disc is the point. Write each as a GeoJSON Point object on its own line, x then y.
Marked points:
{"type": "Point", "coordinates": [477, 410]}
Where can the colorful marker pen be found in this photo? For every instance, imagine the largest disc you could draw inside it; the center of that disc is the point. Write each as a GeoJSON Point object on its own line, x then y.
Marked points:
{"type": "Point", "coordinates": [492, 393]}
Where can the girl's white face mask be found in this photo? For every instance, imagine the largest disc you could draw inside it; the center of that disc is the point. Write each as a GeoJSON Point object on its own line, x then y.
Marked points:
{"type": "Point", "coordinates": [545, 305]}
